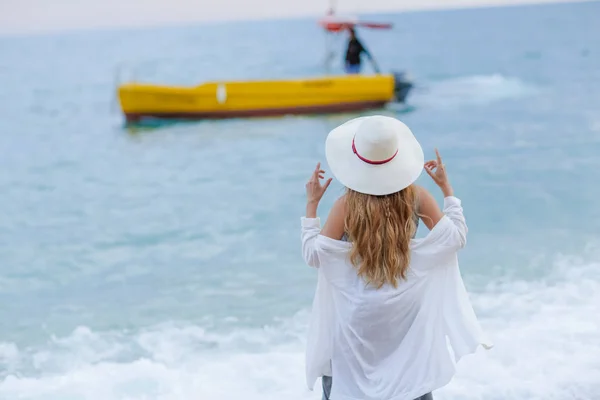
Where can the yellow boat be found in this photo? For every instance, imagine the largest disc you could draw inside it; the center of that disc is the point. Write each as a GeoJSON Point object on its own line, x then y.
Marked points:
{"type": "Point", "coordinates": [215, 100]}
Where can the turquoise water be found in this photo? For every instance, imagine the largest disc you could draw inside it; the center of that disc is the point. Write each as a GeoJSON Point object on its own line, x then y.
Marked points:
{"type": "Point", "coordinates": [164, 262]}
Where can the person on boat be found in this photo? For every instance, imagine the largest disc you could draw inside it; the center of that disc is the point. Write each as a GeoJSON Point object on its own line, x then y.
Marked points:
{"type": "Point", "coordinates": [353, 53]}
{"type": "Point", "coordinates": [387, 305]}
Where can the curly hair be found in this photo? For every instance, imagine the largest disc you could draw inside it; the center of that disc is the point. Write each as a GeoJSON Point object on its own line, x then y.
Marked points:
{"type": "Point", "coordinates": [380, 229]}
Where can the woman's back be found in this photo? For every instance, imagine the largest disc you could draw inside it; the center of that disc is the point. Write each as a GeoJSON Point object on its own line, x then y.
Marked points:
{"type": "Point", "coordinates": [386, 339]}
{"type": "Point", "coordinates": [387, 305]}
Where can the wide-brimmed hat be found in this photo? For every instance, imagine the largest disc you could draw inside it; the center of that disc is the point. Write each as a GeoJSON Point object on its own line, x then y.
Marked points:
{"type": "Point", "coordinates": [374, 155]}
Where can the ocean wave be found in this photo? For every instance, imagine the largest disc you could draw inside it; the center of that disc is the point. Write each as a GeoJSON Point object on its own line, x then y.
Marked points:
{"type": "Point", "coordinates": [545, 334]}
{"type": "Point", "coordinates": [471, 91]}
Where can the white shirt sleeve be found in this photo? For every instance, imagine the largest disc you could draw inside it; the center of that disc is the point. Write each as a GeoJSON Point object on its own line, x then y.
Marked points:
{"type": "Point", "coordinates": [454, 211]}
{"type": "Point", "coordinates": [311, 227]}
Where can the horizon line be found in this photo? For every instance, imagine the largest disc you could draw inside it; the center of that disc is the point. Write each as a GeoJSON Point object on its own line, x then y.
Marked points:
{"type": "Point", "coordinates": [140, 25]}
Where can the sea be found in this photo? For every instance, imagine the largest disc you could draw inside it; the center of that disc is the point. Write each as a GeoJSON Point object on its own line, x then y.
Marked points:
{"type": "Point", "coordinates": [162, 262]}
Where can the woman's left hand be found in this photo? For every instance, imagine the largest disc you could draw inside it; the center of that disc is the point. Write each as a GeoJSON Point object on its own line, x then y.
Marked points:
{"type": "Point", "coordinates": [314, 189]}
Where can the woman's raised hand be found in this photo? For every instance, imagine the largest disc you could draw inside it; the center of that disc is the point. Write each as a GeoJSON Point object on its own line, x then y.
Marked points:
{"type": "Point", "coordinates": [437, 171]}
{"type": "Point", "coordinates": [314, 188]}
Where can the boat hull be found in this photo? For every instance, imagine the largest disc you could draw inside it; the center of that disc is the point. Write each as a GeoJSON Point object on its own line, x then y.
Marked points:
{"type": "Point", "coordinates": [274, 112]}
{"type": "Point", "coordinates": [218, 100]}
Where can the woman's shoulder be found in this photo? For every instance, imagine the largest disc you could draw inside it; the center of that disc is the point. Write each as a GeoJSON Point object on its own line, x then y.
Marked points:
{"type": "Point", "coordinates": [428, 209]}
{"type": "Point", "coordinates": [340, 205]}
{"type": "Point", "coordinates": [334, 227]}
{"type": "Point", "coordinates": [342, 198]}
{"type": "Point", "coordinates": [423, 195]}
{"type": "Point", "coordinates": [420, 190]}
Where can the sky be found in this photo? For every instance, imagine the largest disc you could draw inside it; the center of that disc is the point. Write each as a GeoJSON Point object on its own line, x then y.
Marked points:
{"type": "Point", "coordinates": [39, 16]}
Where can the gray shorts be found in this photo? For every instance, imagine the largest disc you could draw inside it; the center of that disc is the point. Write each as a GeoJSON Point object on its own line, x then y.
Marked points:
{"type": "Point", "coordinates": [327, 390]}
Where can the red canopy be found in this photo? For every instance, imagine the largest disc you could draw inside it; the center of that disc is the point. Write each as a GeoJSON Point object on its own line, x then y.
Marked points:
{"type": "Point", "coordinates": [333, 23]}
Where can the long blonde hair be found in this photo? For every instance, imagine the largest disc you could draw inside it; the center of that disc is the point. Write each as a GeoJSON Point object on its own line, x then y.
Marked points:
{"type": "Point", "coordinates": [380, 229]}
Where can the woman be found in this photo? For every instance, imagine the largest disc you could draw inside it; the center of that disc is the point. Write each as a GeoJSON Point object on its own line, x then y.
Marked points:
{"type": "Point", "coordinates": [391, 316]}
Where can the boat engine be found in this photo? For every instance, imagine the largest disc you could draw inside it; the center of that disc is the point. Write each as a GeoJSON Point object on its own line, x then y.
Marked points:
{"type": "Point", "coordinates": [402, 86]}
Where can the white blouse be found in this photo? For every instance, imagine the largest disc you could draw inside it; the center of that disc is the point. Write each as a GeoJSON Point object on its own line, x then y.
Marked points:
{"type": "Point", "coordinates": [390, 343]}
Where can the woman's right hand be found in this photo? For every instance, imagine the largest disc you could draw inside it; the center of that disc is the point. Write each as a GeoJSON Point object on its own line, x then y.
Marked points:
{"type": "Point", "coordinates": [437, 172]}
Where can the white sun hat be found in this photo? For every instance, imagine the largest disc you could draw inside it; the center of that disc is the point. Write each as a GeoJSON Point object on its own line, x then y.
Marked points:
{"type": "Point", "coordinates": [374, 155]}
